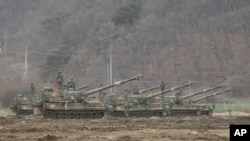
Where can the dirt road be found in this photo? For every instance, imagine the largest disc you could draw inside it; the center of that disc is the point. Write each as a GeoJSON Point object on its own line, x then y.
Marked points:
{"type": "Point", "coordinates": [35, 128]}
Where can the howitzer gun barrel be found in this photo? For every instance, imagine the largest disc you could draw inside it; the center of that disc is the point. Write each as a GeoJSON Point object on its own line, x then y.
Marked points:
{"type": "Point", "coordinates": [214, 94]}
{"type": "Point", "coordinates": [203, 91]}
{"type": "Point", "coordinates": [137, 77]}
{"type": "Point", "coordinates": [83, 87]}
{"type": "Point", "coordinates": [149, 89]}
{"type": "Point", "coordinates": [171, 89]}
{"type": "Point", "coordinates": [117, 83]}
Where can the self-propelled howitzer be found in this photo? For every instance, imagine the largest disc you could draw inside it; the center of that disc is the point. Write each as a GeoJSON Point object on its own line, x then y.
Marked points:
{"type": "Point", "coordinates": [22, 105]}
{"type": "Point", "coordinates": [76, 105]}
{"type": "Point", "coordinates": [115, 102]}
{"type": "Point", "coordinates": [189, 108]}
{"type": "Point", "coordinates": [48, 94]}
{"type": "Point", "coordinates": [144, 106]}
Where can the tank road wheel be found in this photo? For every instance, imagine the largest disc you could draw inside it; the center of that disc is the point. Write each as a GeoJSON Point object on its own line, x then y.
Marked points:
{"type": "Point", "coordinates": [133, 115]}
{"type": "Point", "coordinates": [126, 113]}
{"type": "Point", "coordinates": [198, 113]}
{"type": "Point", "coordinates": [144, 115]}
{"type": "Point", "coordinates": [53, 115]}
{"type": "Point", "coordinates": [60, 116]}
{"type": "Point", "coordinates": [98, 116]}
{"type": "Point", "coordinates": [45, 115]}
{"type": "Point", "coordinates": [150, 114]}
{"type": "Point", "coordinates": [68, 116]}
{"type": "Point", "coordinates": [76, 116]}
{"type": "Point", "coordinates": [83, 116]}
{"type": "Point", "coordinates": [138, 115]}
{"type": "Point", "coordinates": [119, 115]}
{"type": "Point", "coordinates": [90, 116]}
{"type": "Point", "coordinates": [113, 114]}
{"type": "Point", "coordinates": [164, 113]}
{"type": "Point", "coordinates": [157, 114]}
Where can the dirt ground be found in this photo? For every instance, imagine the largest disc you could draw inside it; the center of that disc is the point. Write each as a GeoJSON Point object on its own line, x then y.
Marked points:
{"type": "Point", "coordinates": [202, 128]}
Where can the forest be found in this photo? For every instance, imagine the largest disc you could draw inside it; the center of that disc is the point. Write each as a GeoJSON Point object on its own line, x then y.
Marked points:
{"type": "Point", "coordinates": [206, 41]}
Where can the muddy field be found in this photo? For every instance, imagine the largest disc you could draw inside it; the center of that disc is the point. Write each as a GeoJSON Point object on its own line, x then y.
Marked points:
{"type": "Point", "coordinates": [35, 128]}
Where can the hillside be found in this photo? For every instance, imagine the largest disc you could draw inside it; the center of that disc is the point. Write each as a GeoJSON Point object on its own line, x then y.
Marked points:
{"type": "Point", "coordinates": [172, 40]}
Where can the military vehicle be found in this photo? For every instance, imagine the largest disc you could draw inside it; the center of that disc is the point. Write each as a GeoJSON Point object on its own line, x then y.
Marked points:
{"type": "Point", "coordinates": [44, 96]}
{"type": "Point", "coordinates": [75, 104]}
{"type": "Point", "coordinates": [32, 104]}
{"type": "Point", "coordinates": [117, 102]}
{"type": "Point", "coordinates": [22, 105]}
{"type": "Point", "coordinates": [183, 106]}
{"type": "Point", "coordinates": [138, 105]}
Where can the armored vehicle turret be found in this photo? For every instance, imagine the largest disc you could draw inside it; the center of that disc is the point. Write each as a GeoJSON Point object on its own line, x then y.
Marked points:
{"type": "Point", "coordinates": [75, 104]}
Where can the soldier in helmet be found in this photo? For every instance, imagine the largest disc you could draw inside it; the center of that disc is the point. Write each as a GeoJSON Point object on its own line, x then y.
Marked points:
{"type": "Point", "coordinates": [178, 96]}
{"type": "Point", "coordinates": [71, 84]}
{"type": "Point", "coordinates": [136, 90]}
{"type": "Point", "coordinates": [59, 79]}
{"type": "Point", "coordinates": [32, 88]}
{"type": "Point", "coordinates": [162, 86]}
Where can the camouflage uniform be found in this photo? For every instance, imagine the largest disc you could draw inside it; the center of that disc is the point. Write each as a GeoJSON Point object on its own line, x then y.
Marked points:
{"type": "Point", "coordinates": [136, 90]}
{"type": "Point", "coordinates": [59, 79]}
{"type": "Point", "coordinates": [162, 86]}
{"type": "Point", "coordinates": [32, 88]}
{"type": "Point", "coordinates": [71, 84]}
{"type": "Point", "coordinates": [178, 96]}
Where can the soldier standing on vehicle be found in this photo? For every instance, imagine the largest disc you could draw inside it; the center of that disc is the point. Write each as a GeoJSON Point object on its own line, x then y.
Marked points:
{"type": "Point", "coordinates": [178, 96]}
{"type": "Point", "coordinates": [32, 88]}
{"type": "Point", "coordinates": [71, 84]}
{"type": "Point", "coordinates": [59, 80]}
{"type": "Point", "coordinates": [136, 90]}
{"type": "Point", "coordinates": [162, 86]}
